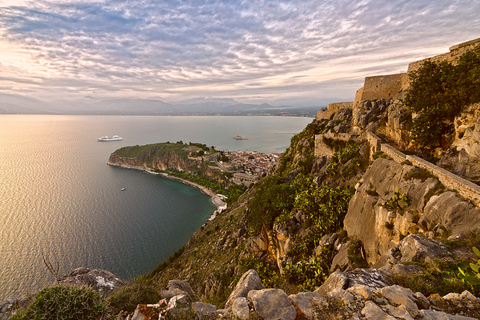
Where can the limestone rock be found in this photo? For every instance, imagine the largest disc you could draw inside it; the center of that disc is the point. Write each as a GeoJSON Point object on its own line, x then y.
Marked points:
{"type": "Point", "coordinates": [406, 270]}
{"type": "Point", "coordinates": [440, 315]}
{"type": "Point", "coordinates": [340, 261]}
{"type": "Point", "coordinates": [240, 308]}
{"type": "Point", "coordinates": [463, 156]}
{"type": "Point", "coordinates": [398, 313]}
{"type": "Point", "coordinates": [397, 296]}
{"type": "Point", "coordinates": [453, 213]}
{"type": "Point", "coordinates": [183, 286]}
{"type": "Point", "coordinates": [361, 290]}
{"type": "Point", "coordinates": [272, 304]}
{"type": "Point", "coordinates": [371, 278]}
{"type": "Point", "coordinates": [374, 312]}
{"type": "Point", "coordinates": [100, 280]}
{"type": "Point", "coordinates": [201, 308]}
{"type": "Point", "coordinates": [417, 248]}
{"type": "Point", "coordinates": [250, 280]}
{"type": "Point", "coordinates": [303, 304]}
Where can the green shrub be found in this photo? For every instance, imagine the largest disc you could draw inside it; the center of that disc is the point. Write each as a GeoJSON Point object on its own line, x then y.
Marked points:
{"type": "Point", "coordinates": [418, 173]}
{"type": "Point", "coordinates": [438, 93]}
{"type": "Point", "coordinates": [473, 276]}
{"type": "Point", "coordinates": [65, 303]}
{"type": "Point", "coordinates": [127, 297]}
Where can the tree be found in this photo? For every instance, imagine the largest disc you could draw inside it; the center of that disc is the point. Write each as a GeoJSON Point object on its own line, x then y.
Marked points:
{"type": "Point", "coordinates": [439, 92]}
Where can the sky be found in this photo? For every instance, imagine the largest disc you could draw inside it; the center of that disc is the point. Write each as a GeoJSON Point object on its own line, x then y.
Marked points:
{"type": "Point", "coordinates": [252, 51]}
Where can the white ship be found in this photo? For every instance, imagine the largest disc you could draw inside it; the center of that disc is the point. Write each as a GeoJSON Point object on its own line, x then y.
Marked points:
{"type": "Point", "coordinates": [107, 138]}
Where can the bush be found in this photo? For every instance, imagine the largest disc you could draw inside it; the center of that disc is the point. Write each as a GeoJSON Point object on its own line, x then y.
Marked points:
{"type": "Point", "coordinates": [438, 93]}
{"type": "Point", "coordinates": [65, 303]}
{"type": "Point", "coordinates": [127, 297]}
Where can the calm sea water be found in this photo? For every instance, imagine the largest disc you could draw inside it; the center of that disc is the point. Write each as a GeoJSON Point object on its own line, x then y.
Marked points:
{"type": "Point", "coordinates": [59, 198]}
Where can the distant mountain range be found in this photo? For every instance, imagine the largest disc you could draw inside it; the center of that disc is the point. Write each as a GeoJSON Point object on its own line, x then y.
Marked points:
{"type": "Point", "coordinates": [19, 104]}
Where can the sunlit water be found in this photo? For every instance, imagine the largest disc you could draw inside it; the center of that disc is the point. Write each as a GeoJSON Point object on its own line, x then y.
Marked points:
{"type": "Point", "coordinates": [59, 198]}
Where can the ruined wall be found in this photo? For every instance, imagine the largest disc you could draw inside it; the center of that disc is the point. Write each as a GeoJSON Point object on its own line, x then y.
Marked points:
{"type": "Point", "coordinates": [455, 52]}
{"type": "Point", "coordinates": [332, 108]}
{"type": "Point", "coordinates": [322, 149]}
{"type": "Point", "coordinates": [465, 188]}
{"type": "Point", "coordinates": [382, 87]}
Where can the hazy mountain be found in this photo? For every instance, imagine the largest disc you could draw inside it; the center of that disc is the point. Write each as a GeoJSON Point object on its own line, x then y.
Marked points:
{"type": "Point", "coordinates": [198, 106]}
{"type": "Point", "coordinates": [15, 103]}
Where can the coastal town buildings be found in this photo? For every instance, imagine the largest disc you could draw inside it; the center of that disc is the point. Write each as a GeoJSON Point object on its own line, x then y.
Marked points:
{"type": "Point", "coordinates": [248, 167]}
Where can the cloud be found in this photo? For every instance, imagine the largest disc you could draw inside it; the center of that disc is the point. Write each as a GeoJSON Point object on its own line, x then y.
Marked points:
{"type": "Point", "coordinates": [177, 47]}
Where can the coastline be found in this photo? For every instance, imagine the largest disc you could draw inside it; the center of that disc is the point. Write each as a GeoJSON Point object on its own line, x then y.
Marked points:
{"type": "Point", "coordinates": [216, 199]}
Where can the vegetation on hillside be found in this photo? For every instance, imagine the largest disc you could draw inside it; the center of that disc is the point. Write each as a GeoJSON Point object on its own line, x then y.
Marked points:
{"type": "Point", "coordinates": [439, 91]}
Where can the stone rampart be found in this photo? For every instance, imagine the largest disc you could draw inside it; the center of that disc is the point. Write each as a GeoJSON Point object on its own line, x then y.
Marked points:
{"type": "Point", "coordinates": [332, 108]}
{"type": "Point", "coordinates": [393, 153]}
{"type": "Point", "coordinates": [465, 188]}
{"type": "Point", "coordinates": [381, 87]}
{"type": "Point", "coordinates": [451, 56]}
{"type": "Point", "coordinates": [375, 143]}
{"type": "Point", "coordinates": [323, 149]}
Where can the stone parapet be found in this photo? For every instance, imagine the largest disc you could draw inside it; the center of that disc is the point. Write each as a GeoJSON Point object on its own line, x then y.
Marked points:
{"type": "Point", "coordinates": [465, 188]}
{"type": "Point", "coordinates": [332, 108]}
{"type": "Point", "coordinates": [393, 153]}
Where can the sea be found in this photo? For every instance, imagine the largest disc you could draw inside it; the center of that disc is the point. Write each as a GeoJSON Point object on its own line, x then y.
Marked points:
{"type": "Point", "coordinates": [60, 200]}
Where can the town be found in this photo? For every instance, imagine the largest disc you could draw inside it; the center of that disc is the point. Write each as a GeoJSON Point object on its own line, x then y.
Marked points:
{"type": "Point", "coordinates": [247, 167]}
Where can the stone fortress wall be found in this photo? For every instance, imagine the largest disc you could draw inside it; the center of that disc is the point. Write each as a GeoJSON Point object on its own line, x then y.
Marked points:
{"type": "Point", "coordinates": [382, 87]}
{"type": "Point", "coordinates": [454, 53]}
{"type": "Point", "coordinates": [388, 86]}
{"type": "Point", "coordinates": [465, 188]}
{"type": "Point", "coordinates": [332, 108]}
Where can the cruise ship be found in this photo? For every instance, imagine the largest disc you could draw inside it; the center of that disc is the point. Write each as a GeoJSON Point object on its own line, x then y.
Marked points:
{"type": "Point", "coordinates": [107, 138]}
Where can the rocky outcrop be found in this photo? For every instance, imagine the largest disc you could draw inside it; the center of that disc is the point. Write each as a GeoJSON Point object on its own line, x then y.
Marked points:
{"type": "Point", "coordinates": [463, 156]}
{"type": "Point", "coordinates": [379, 217]}
{"type": "Point", "coordinates": [360, 294]}
{"type": "Point", "coordinates": [248, 282]}
{"type": "Point", "coordinates": [102, 281]}
{"type": "Point", "coordinates": [169, 161]}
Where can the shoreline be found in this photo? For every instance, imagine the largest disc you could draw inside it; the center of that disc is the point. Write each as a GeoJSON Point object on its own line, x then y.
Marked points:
{"type": "Point", "coordinates": [216, 200]}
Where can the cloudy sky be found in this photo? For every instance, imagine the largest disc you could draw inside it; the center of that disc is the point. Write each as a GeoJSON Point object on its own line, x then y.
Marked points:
{"type": "Point", "coordinates": [252, 50]}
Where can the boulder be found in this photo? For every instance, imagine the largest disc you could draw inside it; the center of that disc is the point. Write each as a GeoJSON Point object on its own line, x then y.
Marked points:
{"type": "Point", "coordinates": [374, 312]}
{"type": "Point", "coordinates": [272, 304]}
{"type": "Point", "coordinates": [371, 278]}
{"type": "Point", "coordinates": [250, 280]}
{"type": "Point", "coordinates": [416, 248]}
{"type": "Point", "coordinates": [399, 296]}
{"type": "Point", "coordinates": [183, 286]}
{"type": "Point", "coordinates": [240, 308]}
{"type": "Point", "coordinates": [453, 213]}
{"type": "Point", "coordinates": [341, 261]}
{"type": "Point", "coordinates": [201, 309]}
{"type": "Point", "coordinates": [303, 304]}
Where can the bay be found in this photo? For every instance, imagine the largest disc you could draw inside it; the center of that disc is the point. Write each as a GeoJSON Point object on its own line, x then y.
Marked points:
{"type": "Point", "coordinates": [58, 197]}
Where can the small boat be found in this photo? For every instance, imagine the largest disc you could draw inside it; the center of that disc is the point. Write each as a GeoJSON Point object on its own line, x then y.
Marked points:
{"type": "Point", "coordinates": [237, 137]}
{"type": "Point", "coordinates": [123, 189]}
{"type": "Point", "coordinates": [107, 138]}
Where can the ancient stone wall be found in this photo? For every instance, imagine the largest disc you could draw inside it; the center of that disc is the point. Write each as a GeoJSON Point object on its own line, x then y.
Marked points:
{"type": "Point", "coordinates": [381, 87]}
{"type": "Point", "coordinates": [321, 149]}
{"type": "Point", "coordinates": [455, 52]}
{"type": "Point", "coordinates": [375, 143]}
{"type": "Point", "coordinates": [393, 153]}
{"type": "Point", "coordinates": [465, 188]}
{"type": "Point", "coordinates": [332, 108]}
